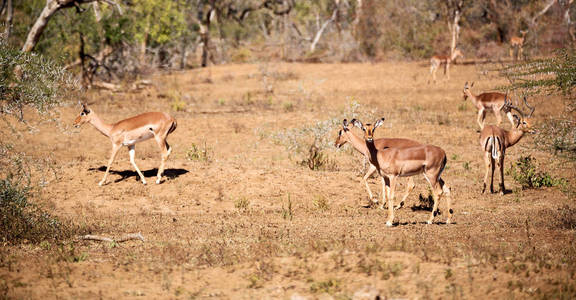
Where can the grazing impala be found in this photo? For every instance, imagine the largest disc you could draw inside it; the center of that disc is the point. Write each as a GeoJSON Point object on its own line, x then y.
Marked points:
{"type": "Point", "coordinates": [445, 60]}
{"type": "Point", "coordinates": [495, 140]}
{"type": "Point", "coordinates": [517, 42]}
{"type": "Point", "coordinates": [493, 100]}
{"type": "Point", "coordinates": [346, 135]}
{"type": "Point", "coordinates": [130, 131]}
{"type": "Point", "coordinates": [393, 162]}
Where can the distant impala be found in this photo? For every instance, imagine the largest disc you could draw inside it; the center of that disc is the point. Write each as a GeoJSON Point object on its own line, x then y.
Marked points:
{"type": "Point", "coordinates": [493, 101]}
{"type": "Point", "coordinates": [445, 60]}
{"type": "Point", "coordinates": [495, 140]}
{"type": "Point", "coordinates": [131, 131]}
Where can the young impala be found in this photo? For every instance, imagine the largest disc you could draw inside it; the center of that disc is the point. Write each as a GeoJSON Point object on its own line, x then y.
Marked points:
{"type": "Point", "coordinates": [445, 60]}
{"type": "Point", "coordinates": [493, 101]}
{"type": "Point", "coordinates": [517, 42]}
{"type": "Point", "coordinates": [131, 131]}
{"type": "Point", "coordinates": [393, 162]}
{"type": "Point", "coordinates": [495, 140]}
{"type": "Point", "coordinates": [346, 135]}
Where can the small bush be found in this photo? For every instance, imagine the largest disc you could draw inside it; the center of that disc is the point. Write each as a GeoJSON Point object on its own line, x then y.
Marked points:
{"type": "Point", "coordinates": [321, 203]}
{"type": "Point", "coordinates": [526, 173]}
{"type": "Point", "coordinates": [329, 286]}
{"type": "Point", "coordinates": [197, 153]}
{"type": "Point", "coordinates": [21, 220]}
{"type": "Point", "coordinates": [242, 204]}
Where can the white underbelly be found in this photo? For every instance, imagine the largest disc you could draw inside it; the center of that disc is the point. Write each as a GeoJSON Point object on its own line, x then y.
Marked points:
{"type": "Point", "coordinates": [128, 141]}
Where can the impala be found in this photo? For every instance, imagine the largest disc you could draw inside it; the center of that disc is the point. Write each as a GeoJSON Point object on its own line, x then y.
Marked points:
{"type": "Point", "coordinates": [517, 42]}
{"type": "Point", "coordinates": [346, 135]}
{"type": "Point", "coordinates": [393, 162]}
{"type": "Point", "coordinates": [131, 131]}
{"type": "Point", "coordinates": [495, 140]}
{"type": "Point", "coordinates": [445, 60]}
{"type": "Point", "coordinates": [493, 100]}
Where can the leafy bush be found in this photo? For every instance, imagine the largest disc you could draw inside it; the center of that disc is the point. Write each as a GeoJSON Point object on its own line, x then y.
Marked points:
{"type": "Point", "coordinates": [558, 136]}
{"type": "Point", "coordinates": [30, 79]}
{"type": "Point", "coordinates": [21, 220]}
{"type": "Point", "coordinates": [556, 75]}
{"type": "Point", "coordinates": [526, 173]}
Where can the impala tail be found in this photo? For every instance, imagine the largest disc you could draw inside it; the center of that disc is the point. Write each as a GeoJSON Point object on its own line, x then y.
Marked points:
{"type": "Point", "coordinates": [495, 143]}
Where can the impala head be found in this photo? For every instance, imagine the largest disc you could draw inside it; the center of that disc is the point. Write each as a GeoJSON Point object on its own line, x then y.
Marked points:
{"type": "Point", "coordinates": [84, 116]}
{"type": "Point", "coordinates": [522, 118]}
{"type": "Point", "coordinates": [342, 137]}
{"type": "Point", "coordinates": [523, 32]}
{"type": "Point", "coordinates": [466, 90]}
{"type": "Point", "coordinates": [368, 128]}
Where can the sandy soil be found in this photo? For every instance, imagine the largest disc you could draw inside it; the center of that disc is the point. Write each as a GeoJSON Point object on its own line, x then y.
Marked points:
{"type": "Point", "coordinates": [238, 216]}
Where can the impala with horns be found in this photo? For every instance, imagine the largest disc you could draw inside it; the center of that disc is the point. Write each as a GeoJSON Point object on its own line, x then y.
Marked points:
{"type": "Point", "coordinates": [131, 131]}
{"type": "Point", "coordinates": [392, 163]}
{"type": "Point", "coordinates": [492, 101]}
{"type": "Point", "coordinates": [495, 140]}
{"type": "Point", "coordinates": [345, 135]}
{"type": "Point", "coordinates": [437, 60]}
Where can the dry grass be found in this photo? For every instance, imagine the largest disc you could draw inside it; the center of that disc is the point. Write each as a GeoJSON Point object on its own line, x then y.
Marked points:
{"type": "Point", "coordinates": [240, 217]}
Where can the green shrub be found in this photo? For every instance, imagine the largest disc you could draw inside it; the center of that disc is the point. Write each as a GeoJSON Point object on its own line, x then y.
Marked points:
{"type": "Point", "coordinates": [28, 79]}
{"type": "Point", "coordinates": [526, 173]}
{"type": "Point", "coordinates": [21, 220]}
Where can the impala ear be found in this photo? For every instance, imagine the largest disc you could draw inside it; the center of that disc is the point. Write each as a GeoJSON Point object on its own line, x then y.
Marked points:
{"type": "Point", "coordinates": [378, 123]}
{"type": "Point", "coordinates": [358, 124]}
{"type": "Point", "coordinates": [472, 84]}
{"type": "Point", "coordinates": [466, 85]}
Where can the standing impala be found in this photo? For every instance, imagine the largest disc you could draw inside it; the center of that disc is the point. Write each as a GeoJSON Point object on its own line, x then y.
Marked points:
{"type": "Point", "coordinates": [445, 60]}
{"type": "Point", "coordinates": [493, 101]}
{"type": "Point", "coordinates": [346, 135]}
{"type": "Point", "coordinates": [393, 162]}
{"type": "Point", "coordinates": [495, 140]}
{"type": "Point", "coordinates": [517, 42]}
{"type": "Point", "coordinates": [131, 131]}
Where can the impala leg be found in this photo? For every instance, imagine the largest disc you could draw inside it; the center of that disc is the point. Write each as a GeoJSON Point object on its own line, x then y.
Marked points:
{"type": "Point", "coordinates": [115, 149]}
{"type": "Point", "coordinates": [447, 70]}
{"type": "Point", "coordinates": [385, 189]}
{"type": "Point", "coordinates": [445, 189]}
{"type": "Point", "coordinates": [501, 166]}
{"type": "Point", "coordinates": [436, 194]}
{"type": "Point", "coordinates": [481, 116]}
{"type": "Point", "coordinates": [520, 55]}
{"type": "Point", "coordinates": [371, 170]}
{"type": "Point", "coordinates": [409, 187]}
{"type": "Point", "coordinates": [165, 150]}
{"type": "Point", "coordinates": [391, 189]}
{"type": "Point", "coordinates": [132, 151]}
{"type": "Point", "coordinates": [433, 69]}
{"type": "Point", "coordinates": [511, 52]}
{"type": "Point", "coordinates": [492, 167]}
{"type": "Point", "coordinates": [487, 164]}
{"type": "Point", "coordinates": [498, 117]}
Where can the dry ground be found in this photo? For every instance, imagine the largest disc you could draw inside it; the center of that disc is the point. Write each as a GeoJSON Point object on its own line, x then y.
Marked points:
{"type": "Point", "coordinates": [239, 218]}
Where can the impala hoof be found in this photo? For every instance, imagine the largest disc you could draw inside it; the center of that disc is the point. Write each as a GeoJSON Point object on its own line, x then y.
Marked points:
{"type": "Point", "coordinates": [158, 181]}
{"type": "Point", "coordinates": [429, 222]}
{"type": "Point", "coordinates": [101, 183]}
{"type": "Point", "coordinates": [144, 182]}
{"type": "Point", "coordinates": [389, 224]}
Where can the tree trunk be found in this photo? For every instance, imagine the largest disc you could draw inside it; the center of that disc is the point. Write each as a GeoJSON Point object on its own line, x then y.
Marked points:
{"type": "Point", "coordinates": [205, 35]}
{"type": "Point", "coordinates": [38, 28]}
{"type": "Point", "coordinates": [455, 27]}
{"type": "Point", "coordinates": [9, 15]}
{"type": "Point", "coordinates": [321, 30]}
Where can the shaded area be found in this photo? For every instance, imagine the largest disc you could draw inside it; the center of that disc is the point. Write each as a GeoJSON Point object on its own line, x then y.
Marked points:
{"type": "Point", "coordinates": [125, 174]}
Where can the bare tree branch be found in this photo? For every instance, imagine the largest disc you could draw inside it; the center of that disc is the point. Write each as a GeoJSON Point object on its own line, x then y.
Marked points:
{"type": "Point", "coordinates": [127, 237]}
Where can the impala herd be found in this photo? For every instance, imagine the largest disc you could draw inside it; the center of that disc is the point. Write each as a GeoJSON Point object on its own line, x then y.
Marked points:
{"type": "Point", "coordinates": [391, 158]}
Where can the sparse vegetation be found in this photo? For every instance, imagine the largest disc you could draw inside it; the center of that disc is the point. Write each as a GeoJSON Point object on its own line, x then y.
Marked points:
{"type": "Point", "coordinates": [525, 172]}
{"type": "Point", "coordinates": [199, 153]}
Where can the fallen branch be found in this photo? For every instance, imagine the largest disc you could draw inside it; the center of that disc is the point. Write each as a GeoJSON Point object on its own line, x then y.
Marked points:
{"type": "Point", "coordinates": [127, 237]}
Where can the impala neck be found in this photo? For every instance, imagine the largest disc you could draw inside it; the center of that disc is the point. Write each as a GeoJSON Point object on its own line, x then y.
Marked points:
{"type": "Point", "coordinates": [472, 97]}
{"type": "Point", "coordinates": [373, 157]}
{"type": "Point", "coordinates": [453, 57]}
{"type": "Point", "coordinates": [357, 143]}
{"type": "Point", "coordinates": [104, 128]}
{"type": "Point", "coordinates": [513, 136]}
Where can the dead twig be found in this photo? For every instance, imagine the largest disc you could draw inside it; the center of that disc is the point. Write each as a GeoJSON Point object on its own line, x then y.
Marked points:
{"type": "Point", "coordinates": [127, 237]}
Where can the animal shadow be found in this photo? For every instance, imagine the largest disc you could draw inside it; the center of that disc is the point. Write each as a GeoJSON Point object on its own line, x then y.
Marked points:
{"type": "Point", "coordinates": [426, 204]}
{"type": "Point", "coordinates": [168, 173]}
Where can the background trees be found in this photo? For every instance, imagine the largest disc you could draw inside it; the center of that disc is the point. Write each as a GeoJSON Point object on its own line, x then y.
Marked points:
{"type": "Point", "coordinates": [122, 38]}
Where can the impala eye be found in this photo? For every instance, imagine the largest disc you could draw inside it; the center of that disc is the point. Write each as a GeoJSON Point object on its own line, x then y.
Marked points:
{"type": "Point", "coordinates": [82, 114]}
